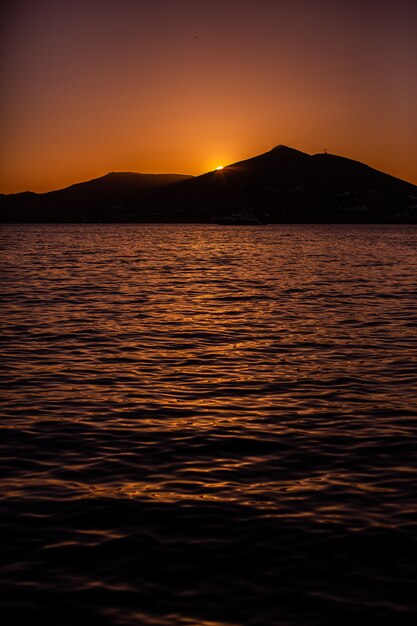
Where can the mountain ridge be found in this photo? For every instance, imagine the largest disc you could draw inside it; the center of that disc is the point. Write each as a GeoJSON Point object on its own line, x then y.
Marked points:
{"type": "Point", "coordinates": [281, 185]}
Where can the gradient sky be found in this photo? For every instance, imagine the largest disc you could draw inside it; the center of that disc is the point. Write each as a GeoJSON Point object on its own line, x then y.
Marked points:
{"type": "Point", "coordinates": [91, 86]}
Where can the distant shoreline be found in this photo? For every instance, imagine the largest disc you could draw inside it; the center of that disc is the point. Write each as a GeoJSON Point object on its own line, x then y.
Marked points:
{"type": "Point", "coordinates": [282, 186]}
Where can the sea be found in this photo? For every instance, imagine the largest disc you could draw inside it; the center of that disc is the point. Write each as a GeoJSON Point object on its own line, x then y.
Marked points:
{"type": "Point", "coordinates": [207, 425]}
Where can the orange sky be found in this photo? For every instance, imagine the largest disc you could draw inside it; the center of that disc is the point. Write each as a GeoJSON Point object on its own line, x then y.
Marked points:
{"type": "Point", "coordinates": [91, 86]}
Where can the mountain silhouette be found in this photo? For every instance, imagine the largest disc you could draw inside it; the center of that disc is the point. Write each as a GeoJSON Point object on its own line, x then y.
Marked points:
{"type": "Point", "coordinates": [286, 185]}
{"type": "Point", "coordinates": [282, 185]}
{"type": "Point", "coordinates": [97, 200]}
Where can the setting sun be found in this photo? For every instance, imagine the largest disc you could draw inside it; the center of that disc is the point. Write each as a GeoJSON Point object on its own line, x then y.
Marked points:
{"type": "Point", "coordinates": [219, 167]}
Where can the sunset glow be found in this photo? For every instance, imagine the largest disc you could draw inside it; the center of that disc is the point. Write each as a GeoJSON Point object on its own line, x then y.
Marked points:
{"type": "Point", "coordinates": [164, 87]}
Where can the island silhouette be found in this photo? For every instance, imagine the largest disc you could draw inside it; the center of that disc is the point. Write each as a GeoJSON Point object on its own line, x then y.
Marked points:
{"type": "Point", "coordinates": [283, 185]}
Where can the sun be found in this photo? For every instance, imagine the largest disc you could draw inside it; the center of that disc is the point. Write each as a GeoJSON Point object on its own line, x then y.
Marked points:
{"type": "Point", "coordinates": [219, 167]}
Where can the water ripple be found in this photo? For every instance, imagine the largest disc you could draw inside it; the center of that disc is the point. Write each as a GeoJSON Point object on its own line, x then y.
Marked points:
{"type": "Point", "coordinates": [208, 425]}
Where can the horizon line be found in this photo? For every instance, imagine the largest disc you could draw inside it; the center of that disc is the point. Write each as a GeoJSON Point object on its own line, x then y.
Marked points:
{"type": "Point", "coordinates": [276, 147]}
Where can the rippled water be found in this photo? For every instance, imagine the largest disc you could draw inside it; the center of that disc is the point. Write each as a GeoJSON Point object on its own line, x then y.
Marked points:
{"type": "Point", "coordinates": [208, 425]}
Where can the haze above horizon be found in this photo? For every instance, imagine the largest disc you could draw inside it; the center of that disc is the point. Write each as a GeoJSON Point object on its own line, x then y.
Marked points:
{"type": "Point", "coordinates": [99, 86]}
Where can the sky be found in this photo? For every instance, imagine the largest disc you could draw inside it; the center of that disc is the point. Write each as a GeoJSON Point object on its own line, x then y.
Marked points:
{"type": "Point", "coordinates": [183, 86]}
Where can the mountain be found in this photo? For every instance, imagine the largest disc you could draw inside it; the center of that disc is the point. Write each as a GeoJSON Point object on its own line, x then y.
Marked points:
{"type": "Point", "coordinates": [288, 186]}
{"type": "Point", "coordinates": [283, 185]}
{"type": "Point", "coordinates": [97, 200]}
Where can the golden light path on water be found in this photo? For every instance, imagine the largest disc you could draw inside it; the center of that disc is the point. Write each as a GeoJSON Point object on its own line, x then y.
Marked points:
{"type": "Point", "coordinates": [206, 424]}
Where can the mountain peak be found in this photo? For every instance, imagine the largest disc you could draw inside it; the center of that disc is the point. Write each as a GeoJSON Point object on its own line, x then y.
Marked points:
{"type": "Point", "coordinates": [282, 148]}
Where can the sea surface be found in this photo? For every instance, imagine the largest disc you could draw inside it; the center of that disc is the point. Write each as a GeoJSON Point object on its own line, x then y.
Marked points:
{"type": "Point", "coordinates": [208, 425]}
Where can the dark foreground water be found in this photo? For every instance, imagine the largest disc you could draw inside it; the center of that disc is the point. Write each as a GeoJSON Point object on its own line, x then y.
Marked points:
{"type": "Point", "coordinates": [209, 425]}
